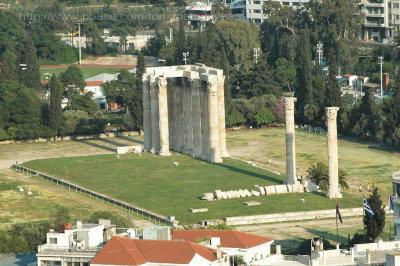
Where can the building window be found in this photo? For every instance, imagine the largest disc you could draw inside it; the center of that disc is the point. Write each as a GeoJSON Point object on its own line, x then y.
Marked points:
{"type": "Point", "coordinates": [285, 3]}
{"type": "Point", "coordinates": [257, 10]}
{"type": "Point", "coordinates": [257, 2]}
{"type": "Point", "coordinates": [395, 5]}
{"type": "Point", "coordinates": [53, 240]}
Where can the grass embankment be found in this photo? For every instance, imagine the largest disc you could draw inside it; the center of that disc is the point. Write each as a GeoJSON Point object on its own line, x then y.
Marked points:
{"type": "Point", "coordinates": [154, 183]}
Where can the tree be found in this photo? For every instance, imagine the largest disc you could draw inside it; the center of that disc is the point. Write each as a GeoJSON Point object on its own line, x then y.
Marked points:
{"type": "Point", "coordinates": [180, 42]}
{"type": "Point", "coordinates": [73, 76]}
{"type": "Point", "coordinates": [61, 216]}
{"type": "Point", "coordinates": [30, 76]}
{"type": "Point", "coordinates": [375, 224]}
{"type": "Point", "coordinates": [9, 70]}
{"type": "Point", "coordinates": [83, 102]}
{"type": "Point", "coordinates": [370, 117]}
{"type": "Point", "coordinates": [55, 112]}
{"type": "Point", "coordinates": [333, 94]}
{"type": "Point", "coordinates": [220, 11]}
{"type": "Point", "coordinates": [319, 174]}
{"type": "Point", "coordinates": [304, 86]}
{"type": "Point", "coordinates": [264, 117]}
{"type": "Point", "coordinates": [391, 109]}
{"type": "Point", "coordinates": [141, 66]}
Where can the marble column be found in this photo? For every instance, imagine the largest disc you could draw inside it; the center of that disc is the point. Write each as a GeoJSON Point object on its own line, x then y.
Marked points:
{"type": "Point", "coordinates": [171, 112]}
{"type": "Point", "coordinates": [221, 116]}
{"type": "Point", "coordinates": [333, 190]}
{"type": "Point", "coordinates": [163, 116]}
{"type": "Point", "coordinates": [155, 116]}
{"type": "Point", "coordinates": [179, 133]}
{"type": "Point", "coordinates": [147, 114]}
{"type": "Point", "coordinates": [196, 117]}
{"type": "Point", "coordinates": [213, 128]}
{"type": "Point", "coordinates": [290, 141]}
{"type": "Point", "coordinates": [205, 141]}
{"type": "Point", "coordinates": [187, 92]}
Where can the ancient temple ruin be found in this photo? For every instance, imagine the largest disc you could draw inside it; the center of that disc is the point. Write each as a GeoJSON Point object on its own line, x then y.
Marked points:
{"type": "Point", "coordinates": [184, 111]}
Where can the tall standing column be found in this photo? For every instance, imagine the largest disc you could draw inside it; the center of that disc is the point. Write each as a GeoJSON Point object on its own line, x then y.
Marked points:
{"type": "Point", "coordinates": [333, 190]}
{"type": "Point", "coordinates": [205, 141]}
{"type": "Point", "coordinates": [188, 148]}
{"type": "Point", "coordinates": [147, 114]}
{"type": "Point", "coordinates": [215, 151]}
{"type": "Point", "coordinates": [290, 141]}
{"type": "Point", "coordinates": [221, 117]}
{"type": "Point", "coordinates": [196, 117]}
{"type": "Point", "coordinates": [155, 116]}
{"type": "Point", "coordinates": [171, 112]}
{"type": "Point", "coordinates": [163, 116]}
{"type": "Point", "coordinates": [179, 136]}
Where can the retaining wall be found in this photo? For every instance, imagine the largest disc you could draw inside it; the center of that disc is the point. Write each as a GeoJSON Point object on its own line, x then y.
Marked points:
{"type": "Point", "coordinates": [90, 193]}
{"type": "Point", "coordinates": [291, 216]}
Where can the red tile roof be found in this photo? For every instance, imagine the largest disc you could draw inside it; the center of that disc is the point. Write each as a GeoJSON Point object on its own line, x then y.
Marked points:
{"type": "Point", "coordinates": [228, 238]}
{"type": "Point", "coordinates": [119, 251]}
{"type": "Point", "coordinates": [348, 75]}
{"type": "Point", "coordinates": [125, 251]}
{"type": "Point", "coordinates": [94, 83]}
{"type": "Point", "coordinates": [362, 77]}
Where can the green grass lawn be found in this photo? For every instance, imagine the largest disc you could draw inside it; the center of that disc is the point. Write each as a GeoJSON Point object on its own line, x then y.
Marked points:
{"type": "Point", "coordinates": [87, 72]}
{"type": "Point", "coordinates": [154, 183]}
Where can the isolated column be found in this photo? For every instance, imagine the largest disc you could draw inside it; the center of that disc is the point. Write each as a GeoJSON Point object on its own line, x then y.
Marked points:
{"type": "Point", "coordinates": [290, 141]}
{"type": "Point", "coordinates": [147, 114]}
{"type": "Point", "coordinates": [196, 117]}
{"type": "Point", "coordinates": [179, 136]}
{"type": "Point", "coordinates": [221, 116]}
{"type": "Point", "coordinates": [187, 92]}
{"type": "Point", "coordinates": [163, 116]}
{"type": "Point", "coordinates": [155, 115]}
{"type": "Point", "coordinates": [215, 152]}
{"type": "Point", "coordinates": [171, 112]}
{"type": "Point", "coordinates": [333, 190]}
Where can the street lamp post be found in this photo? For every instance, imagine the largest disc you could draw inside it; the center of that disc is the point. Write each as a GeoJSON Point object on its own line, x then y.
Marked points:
{"type": "Point", "coordinates": [23, 68]}
{"type": "Point", "coordinates": [185, 57]}
{"type": "Point", "coordinates": [256, 53]}
{"type": "Point", "coordinates": [79, 22]}
{"type": "Point", "coordinates": [381, 63]}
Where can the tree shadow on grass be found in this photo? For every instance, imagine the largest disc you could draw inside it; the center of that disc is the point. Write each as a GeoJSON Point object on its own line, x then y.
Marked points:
{"type": "Point", "coordinates": [96, 145]}
{"type": "Point", "coordinates": [118, 144]}
{"type": "Point", "coordinates": [131, 140]}
{"type": "Point", "coordinates": [327, 235]}
{"type": "Point", "coordinates": [246, 172]}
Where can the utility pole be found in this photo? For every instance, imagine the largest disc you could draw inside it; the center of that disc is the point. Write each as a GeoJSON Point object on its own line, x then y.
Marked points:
{"type": "Point", "coordinates": [185, 57]}
{"type": "Point", "coordinates": [319, 50]}
{"type": "Point", "coordinates": [256, 53]}
{"type": "Point", "coordinates": [170, 34]}
{"type": "Point", "coordinates": [79, 22]}
{"type": "Point", "coordinates": [381, 63]}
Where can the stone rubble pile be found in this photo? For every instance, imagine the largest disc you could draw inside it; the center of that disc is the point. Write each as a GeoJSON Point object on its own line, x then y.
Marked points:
{"type": "Point", "coordinates": [258, 191]}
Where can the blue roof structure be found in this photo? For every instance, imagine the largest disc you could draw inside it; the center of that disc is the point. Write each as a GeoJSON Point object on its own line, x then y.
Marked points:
{"type": "Point", "coordinates": [22, 259]}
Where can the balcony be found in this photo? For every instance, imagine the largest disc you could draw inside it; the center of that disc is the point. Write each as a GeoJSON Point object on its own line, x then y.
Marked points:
{"type": "Point", "coordinates": [374, 25]}
{"type": "Point", "coordinates": [199, 17]}
{"type": "Point", "coordinates": [374, 15]}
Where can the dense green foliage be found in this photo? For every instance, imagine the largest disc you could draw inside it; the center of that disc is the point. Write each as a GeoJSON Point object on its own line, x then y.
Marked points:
{"type": "Point", "coordinates": [374, 225]}
{"type": "Point", "coordinates": [319, 174]}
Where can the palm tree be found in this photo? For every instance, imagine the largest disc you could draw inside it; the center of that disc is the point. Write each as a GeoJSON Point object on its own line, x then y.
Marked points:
{"type": "Point", "coordinates": [319, 174]}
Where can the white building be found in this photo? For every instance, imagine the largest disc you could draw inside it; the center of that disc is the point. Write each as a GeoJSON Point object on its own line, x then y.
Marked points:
{"type": "Point", "coordinates": [74, 245]}
{"type": "Point", "coordinates": [396, 204]}
{"type": "Point", "coordinates": [198, 14]}
{"type": "Point", "coordinates": [232, 242]}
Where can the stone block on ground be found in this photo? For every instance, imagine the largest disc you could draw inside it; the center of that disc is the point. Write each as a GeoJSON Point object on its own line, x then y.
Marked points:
{"type": "Point", "coordinates": [207, 196]}
{"type": "Point", "coordinates": [281, 189]}
{"type": "Point", "coordinates": [262, 190]}
{"type": "Point", "coordinates": [270, 190]}
{"type": "Point", "coordinates": [242, 193]}
{"type": "Point", "coordinates": [224, 195]}
{"type": "Point", "coordinates": [198, 210]}
{"type": "Point", "coordinates": [218, 194]}
{"type": "Point", "coordinates": [237, 194]}
{"type": "Point", "coordinates": [247, 192]}
{"type": "Point", "coordinates": [289, 188]}
{"type": "Point", "coordinates": [252, 203]}
{"type": "Point", "coordinates": [255, 193]}
{"type": "Point", "coordinates": [298, 188]}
